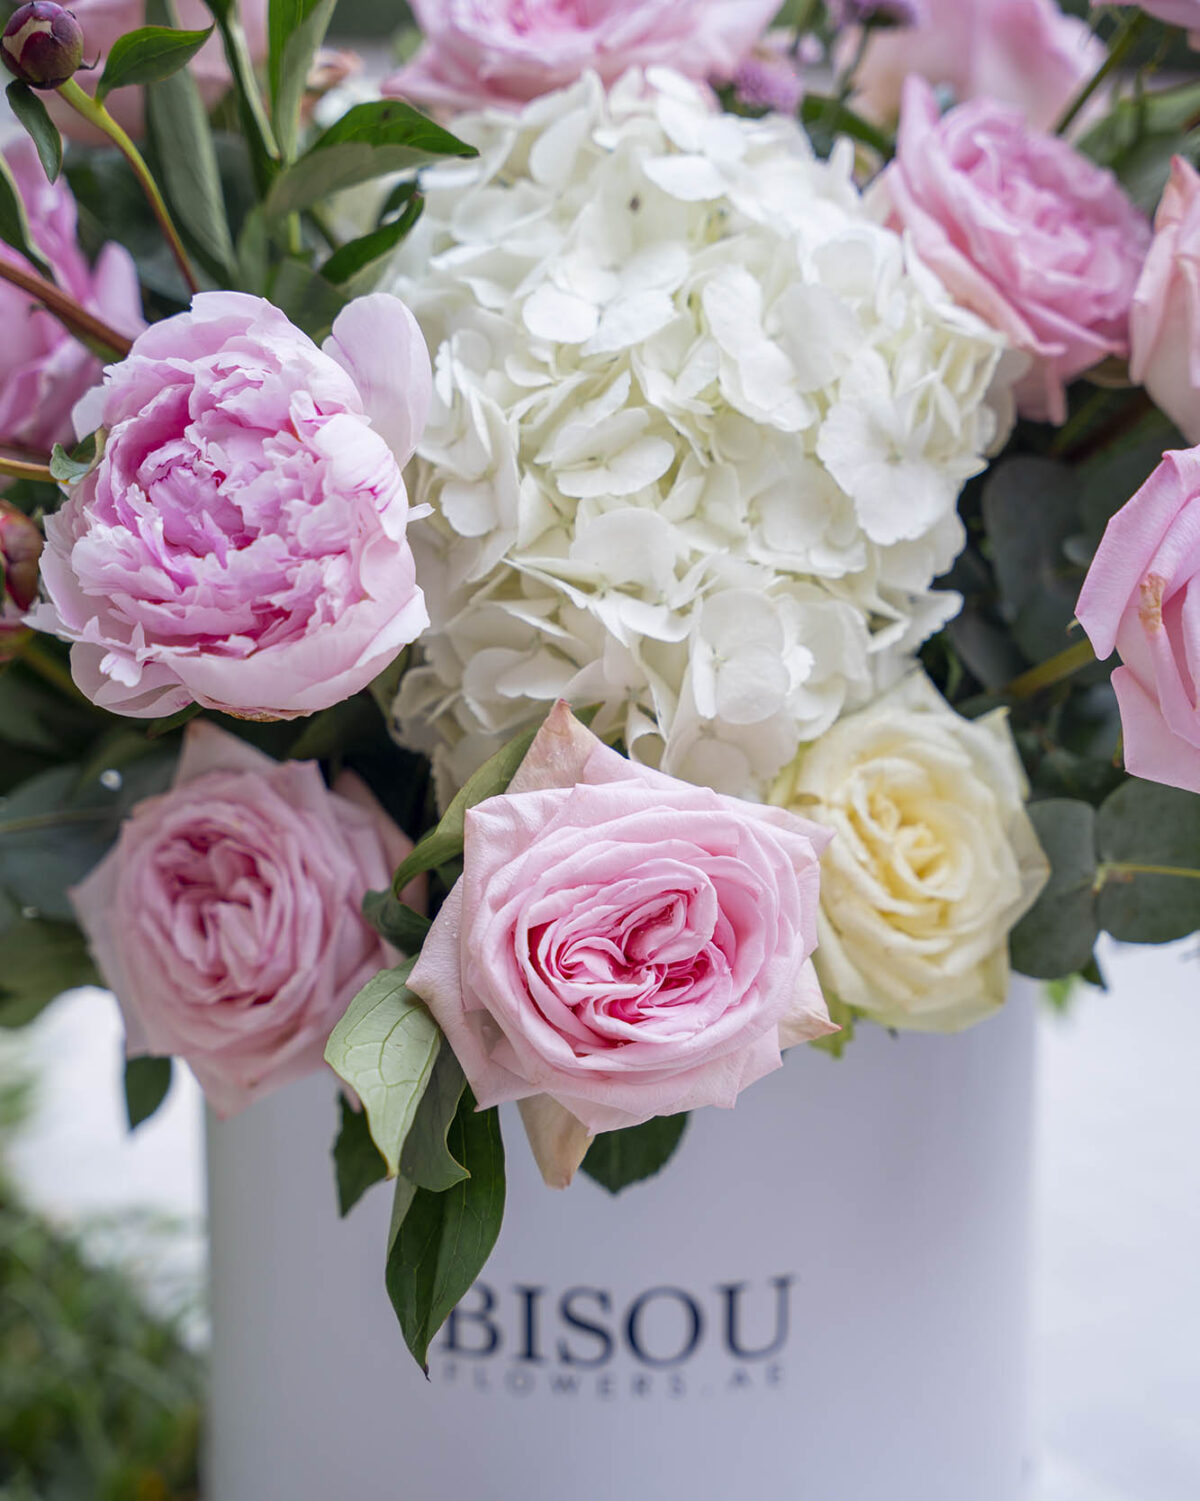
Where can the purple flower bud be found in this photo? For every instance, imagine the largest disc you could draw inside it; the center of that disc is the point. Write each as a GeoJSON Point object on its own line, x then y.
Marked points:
{"type": "Point", "coordinates": [875, 13]}
{"type": "Point", "coordinates": [20, 549]}
{"type": "Point", "coordinates": [42, 44]}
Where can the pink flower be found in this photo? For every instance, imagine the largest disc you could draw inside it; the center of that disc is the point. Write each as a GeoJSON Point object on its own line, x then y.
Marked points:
{"type": "Point", "coordinates": [1022, 229]}
{"type": "Point", "coordinates": [227, 916]}
{"type": "Point", "coordinates": [43, 370]}
{"type": "Point", "coordinates": [1022, 52]}
{"type": "Point", "coordinates": [1164, 324]}
{"type": "Point", "coordinates": [103, 21]}
{"type": "Point", "coordinates": [242, 541]}
{"type": "Point", "coordinates": [622, 943]}
{"type": "Point", "coordinates": [506, 52]}
{"type": "Point", "coordinates": [1142, 596]}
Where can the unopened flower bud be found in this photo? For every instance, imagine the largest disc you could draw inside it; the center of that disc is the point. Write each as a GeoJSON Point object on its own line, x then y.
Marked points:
{"type": "Point", "coordinates": [42, 44]}
{"type": "Point", "coordinates": [20, 549]}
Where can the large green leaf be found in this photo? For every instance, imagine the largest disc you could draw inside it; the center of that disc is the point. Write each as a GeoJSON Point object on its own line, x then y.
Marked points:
{"type": "Point", "coordinates": [1148, 843]}
{"type": "Point", "coordinates": [38, 961]}
{"type": "Point", "coordinates": [306, 297]}
{"type": "Point", "coordinates": [441, 1241]}
{"type": "Point", "coordinates": [1057, 935]}
{"type": "Point", "coordinates": [35, 117]}
{"type": "Point", "coordinates": [426, 1160]}
{"type": "Point", "coordinates": [295, 30]}
{"type": "Point", "coordinates": [364, 258]}
{"type": "Point", "coordinates": [147, 56]}
{"type": "Point", "coordinates": [356, 1160]}
{"type": "Point", "coordinates": [618, 1158]}
{"type": "Point", "coordinates": [147, 1082]}
{"type": "Point", "coordinates": [14, 225]}
{"type": "Point", "coordinates": [384, 1048]}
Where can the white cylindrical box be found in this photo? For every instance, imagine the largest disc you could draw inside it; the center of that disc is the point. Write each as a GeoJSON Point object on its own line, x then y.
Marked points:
{"type": "Point", "coordinates": [823, 1297]}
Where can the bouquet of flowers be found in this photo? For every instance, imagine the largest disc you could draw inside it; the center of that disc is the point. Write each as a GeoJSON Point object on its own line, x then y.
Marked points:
{"type": "Point", "coordinates": [566, 596]}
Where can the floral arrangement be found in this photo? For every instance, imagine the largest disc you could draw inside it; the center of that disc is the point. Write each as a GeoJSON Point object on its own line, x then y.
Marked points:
{"type": "Point", "coordinates": [563, 598]}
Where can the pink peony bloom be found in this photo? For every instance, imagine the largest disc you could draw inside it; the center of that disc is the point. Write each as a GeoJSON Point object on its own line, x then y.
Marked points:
{"type": "Point", "coordinates": [43, 370]}
{"type": "Point", "coordinates": [227, 916]}
{"type": "Point", "coordinates": [506, 52]}
{"type": "Point", "coordinates": [622, 943]}
{"type": "Point", "coordinates": [242, 541]}
{"type": "Point", "coordinates": [1142, 597]}
{"type": "Point", "coordinates": [1022, 52]}
{"type": "Point", "coordinates": [1164, 324]}
{"type": "Point", "coordinates": [1041, 243]}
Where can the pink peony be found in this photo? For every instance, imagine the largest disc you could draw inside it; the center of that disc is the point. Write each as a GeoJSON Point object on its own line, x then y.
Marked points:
{"type": "Point", "coordinates": [242, 541]}
{"type": "Point", "coordinates": [43, 370]}
{"type": "Point", "coordinates": [506, 52]}
{"type": "Point", "coordinates": [622, 943]}
{"type": "Point", "coordinates": [1041, 243]}
{"type": "Point", "coordinates": [227, 916]}
{"type": "Point", "coordinates": [1022, 52]}
{"type": "Point", "coordinates": [1142, 597]}
{"type": "Point", "coordinates": [1164, 324]}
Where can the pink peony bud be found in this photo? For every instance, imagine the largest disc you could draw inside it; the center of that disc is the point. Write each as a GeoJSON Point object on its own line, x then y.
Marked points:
{"type": "Point", "coordinates": [42, 44]}
{"type": "Point", "coordinates": [20, 549]}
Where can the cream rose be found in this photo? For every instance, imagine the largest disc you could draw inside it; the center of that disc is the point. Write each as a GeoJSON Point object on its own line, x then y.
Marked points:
{"type": "Point", "coordinates": [933, 861]}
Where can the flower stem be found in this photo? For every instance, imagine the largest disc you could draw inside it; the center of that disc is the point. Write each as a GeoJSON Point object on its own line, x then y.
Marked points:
{"type": "Point", "coordinates": [1055, 670]}
{"type": "Point", "coordinates": [95, 114]}
{"type": "Point", "coordinates": [1119, 49]}
{"type": "Point", "coordinates": [92, 331]}
{"type": "Point", "coordinates": [1125, 868]}
{"type": "Point", "coordinates": [264, 150]}
{"type": "Point", "coordinates": [22, 469]}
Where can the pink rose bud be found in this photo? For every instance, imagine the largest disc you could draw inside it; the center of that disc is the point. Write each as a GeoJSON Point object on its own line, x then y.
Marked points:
{"type": "Point", "coordinates": [1164, 324]}
{"type": "Point", "coordinates": [42, 44]}
{"type": "Point", "coordinates": [241, 543]}
{"type": "Point", "coordinates": [227, 917]}
{"type": "Point", "coordinates": [621, 945]}
{"type": "Point", "coordinates": [20, 548]}
{"type": "Point", "coordinates": [1023, 230]}
{"type": "Point", "coordinates": [1142, 597]}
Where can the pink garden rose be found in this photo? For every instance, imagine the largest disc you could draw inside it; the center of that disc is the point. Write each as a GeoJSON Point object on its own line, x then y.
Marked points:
{"type": "Point", "coordinates": [1021, 52]}
{"type": "Point", "coordinates": [242, 541]}
{"type": "Point", "coordinates": [43, 370]}
{"type": "Point", "coordinates": [506, 52]}
{"type": "Point", "coordinates": [1164, 324]}
{"type": "Point", "coordinates": [622, 944]}
{"type": "Point", "coordinates": [1022, 229]}
{"type": "Point", "coordinates": [227, 916]}
{"type": "Point", "coordinates": [1142, 597]}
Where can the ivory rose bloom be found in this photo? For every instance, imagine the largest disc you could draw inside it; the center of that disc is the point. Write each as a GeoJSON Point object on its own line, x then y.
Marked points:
{"type": "Point", "coordinates": [621, 943]}
{"type": "Point", "coordinates": [933, 858]}
{"type": "Point", "coordinates": [242, 541]}
{"type": "Point", "coordinates": [1142, 597]}
{"type": "Point", "coordinates": [1164, 324]}
{"type": "Point", "coordinates": [227, 916]}
{"type": "Point", "coordinates": [506, 52]}
{"type": "Point", "coordinates": [43, 370]}
{"type": "Point", "coordinates": [1023, 230]}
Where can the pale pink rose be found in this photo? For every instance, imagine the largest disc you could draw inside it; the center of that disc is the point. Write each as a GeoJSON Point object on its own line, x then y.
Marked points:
{"type": "Point", "coordinates": [1164, 323]}
{"type": "Point", "coordinates": [622, 943]}
{"type": "Point", "coordinates": [1023, 230]}
{"type": "Point", "coordinates": [1142, 597]}
{"type": "Point", "coordinates": [43, 370]}
{"type": "Point", "coordinates": [227, 917]}
{"type": "Point", "coordinates": [506, 52]}
{"type": "Point", "coordinates": [103, 21]}
{"type": "Point", "coordinates": [1022, 52]}
{"type": "Point", "coordinates": [242, 541]}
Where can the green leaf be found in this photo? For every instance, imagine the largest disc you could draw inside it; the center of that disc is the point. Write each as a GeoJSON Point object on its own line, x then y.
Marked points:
{"type": "Point", "coordinates": [70, 468]}
{"type": "Point", "coordinates": [368, 141]}
{"type": "Point", "coordinates": [1057, 935]}
{"type": "Point", "coordinates": [441, 1241]}
{"type": "Point", "coordinates": [1139, 135]}
{"type": "Point", "coordinates": [186, 155]}
{"type": "Point", "coordinates": [306, 297]}
{"type": "Point", "coordinates": [38, 961]}
{"type": "Point", "coordinates": [295, 30]}
{"type": "Point", "coordinates": [847, 1018]}
{"type": "Point", "coordinates": [356, 1160]}
{"type": "Point", "coordinates": [147, 1081]}
{"type": "Point", "coordinates": [393, 920]}
{"type": "Point", "coordinates": [384, 1048]}
{"type": "Point", "coordinates": [1143, 832]}
{"type": "Point", "coordinates": [43, 132]}
{"type": "Point", "coordinates": [14, 225]}
{"type": "Point", "coordinates": [426, 1161]}
{"type": "Point", "coordinates": [359, 255]}
{"type": "Point", "coordinates": [148, 55]}
{"type": "Point", "coordinates": [618, 1158]}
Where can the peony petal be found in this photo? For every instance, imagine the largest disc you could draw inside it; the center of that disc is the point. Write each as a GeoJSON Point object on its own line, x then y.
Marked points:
{"type": "Point", "coordinates": [379, 344]}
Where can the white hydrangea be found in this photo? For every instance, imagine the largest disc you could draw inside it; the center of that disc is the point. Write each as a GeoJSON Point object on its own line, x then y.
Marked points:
{"type": "Point", "coordinates": [698, 433]}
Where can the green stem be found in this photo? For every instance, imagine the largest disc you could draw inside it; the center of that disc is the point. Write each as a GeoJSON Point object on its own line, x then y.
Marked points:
{"type": "Point", "coordinates": [1121, 868]}
{"type": "Point", "coordinates": [51, 670]}
{"type": "Point", "coordinates": [19, 469]}
{"type": "Point", "coordinates": [95, 114]}
{"type": "Point", "coordinates": [1119, 49]}
{"type": "Point", "coordinates": [1055, 670]}
{"type": "Point", "coordinates": [264, 149]}
{"type": "Point", "coordinates": [90, 330]}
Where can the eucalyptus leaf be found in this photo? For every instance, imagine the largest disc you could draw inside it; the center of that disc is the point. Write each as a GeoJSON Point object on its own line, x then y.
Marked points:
{"type": "Point", "coordinates": [426, 1160]}
{"type": "Point", "coordinates": [35, 117]}
{"type": "Point", "coordinates": [148, 55]}
{"type": "Point", "coordinates": [356, 1160]}
{"type": "Point", "coordinates": [616, 1159]}
{"type": "Point", "coordinates": [295, 31]}
{"type": "Point", "coordinates": [147, 1081]}
{"type": "Point", "coordinates": [38, 961]}
{"type": "Point", "coordinates": [14, 224]}
{"type": "Point", "coordinates": [441, 1241]}
{"type": "Point", "coordinates": [1057, 936]}
{"type": "Point", "coordinates": [384, 1048]}
{"type": "Point", "coordinates": [1148, 842]}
